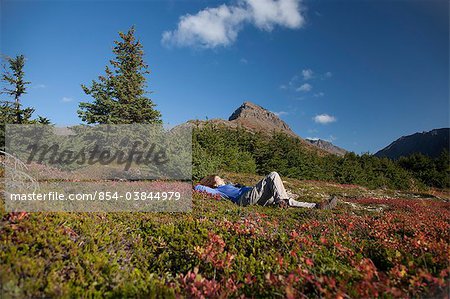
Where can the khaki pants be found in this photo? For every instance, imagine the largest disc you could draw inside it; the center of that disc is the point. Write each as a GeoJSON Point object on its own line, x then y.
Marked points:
{"type": "Point", "coordinates": [268, 191]}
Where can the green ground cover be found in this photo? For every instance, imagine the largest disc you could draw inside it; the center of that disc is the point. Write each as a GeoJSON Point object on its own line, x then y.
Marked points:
{"type": "Point", "coordinates": [397, 249]}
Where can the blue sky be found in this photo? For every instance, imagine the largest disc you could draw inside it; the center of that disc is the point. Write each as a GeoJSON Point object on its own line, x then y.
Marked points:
{"type": "Point", "coordinates": [358, 73]}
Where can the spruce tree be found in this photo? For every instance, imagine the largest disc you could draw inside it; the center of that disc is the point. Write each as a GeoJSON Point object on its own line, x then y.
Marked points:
{"type": "Point", "coordinates": [11, 111]}
{"type": "Point", "coordinates": [119, 95]}
{"type": "Point", "coordinates": [13, 77]}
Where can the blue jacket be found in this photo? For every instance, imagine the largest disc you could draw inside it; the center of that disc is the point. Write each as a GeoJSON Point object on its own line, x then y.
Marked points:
{"type": "Point", "coordinates": [226, 191]}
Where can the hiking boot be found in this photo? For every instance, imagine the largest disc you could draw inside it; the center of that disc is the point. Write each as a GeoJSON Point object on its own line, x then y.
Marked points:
{"type": "Point", "coordinates": [328, 204]}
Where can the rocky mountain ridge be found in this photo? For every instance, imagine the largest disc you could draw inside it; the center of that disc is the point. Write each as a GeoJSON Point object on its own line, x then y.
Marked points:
{"type": "Point", "coordinates": [328, 146]}
{"type": "Point", "coordinates": [430, 143]}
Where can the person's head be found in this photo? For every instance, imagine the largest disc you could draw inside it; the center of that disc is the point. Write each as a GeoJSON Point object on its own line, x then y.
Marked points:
{"type": "Point", "coordinates": [212, 181]}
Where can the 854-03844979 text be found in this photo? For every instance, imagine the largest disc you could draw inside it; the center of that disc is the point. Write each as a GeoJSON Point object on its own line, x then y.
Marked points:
{"type": "Point", "coordinates": [97, 195]}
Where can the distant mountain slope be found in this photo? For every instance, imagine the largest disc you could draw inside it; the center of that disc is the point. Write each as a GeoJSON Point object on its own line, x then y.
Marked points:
{"type": "Point", "coordinates": [430, 143]}
{"type": "Point", "coordinates": [328, 146]}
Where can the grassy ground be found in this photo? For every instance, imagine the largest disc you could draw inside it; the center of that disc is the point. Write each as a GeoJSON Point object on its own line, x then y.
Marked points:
{"type": "Point", "coordinates": [376, 243]}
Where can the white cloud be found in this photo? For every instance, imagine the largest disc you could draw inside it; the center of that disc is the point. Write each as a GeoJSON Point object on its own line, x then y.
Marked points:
{"type": "Point", "coordinates": [66, 99]}
{"type": "Point", "coordinates": [324, 119]}
{"type": "Point", "coordinates": [318, 94]}
{"type": "Point", "coordinates": [39, 86]}
{"type": "Point", "coordinates": [280, 113]}
{"type": "Point", "coordinates": [265, 14]}
{"type": "Point", "coordinates": [313, 138]}
{"type": "Point", "coordinates": [297, 82]}
{"type": "Point", "coordinates": [209, 28]}
{"type": "Point", "coordinates": [219, 26]}
{"type": "Point", "coordinates": [293, 81]}
{"type": "Point", "coordinates": [243, 61]}
{"type": "Point", "coordinates": [305, 87]}
{"type": "Point", "coordinates": [307, 74]}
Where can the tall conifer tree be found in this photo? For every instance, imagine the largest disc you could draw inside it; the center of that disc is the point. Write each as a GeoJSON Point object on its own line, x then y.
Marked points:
{"type": "Point", "coordinates": [119, 95]}
{"type": "Point", "coordinates": [14, 78]}
{"type": "Point", "coordinates": [11, 110]}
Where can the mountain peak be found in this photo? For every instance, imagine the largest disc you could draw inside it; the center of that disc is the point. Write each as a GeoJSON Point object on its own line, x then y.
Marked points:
{"type": "Point", "coordinates": [256, 117]}
{"type": "Point", "coordinates": [248, 109]}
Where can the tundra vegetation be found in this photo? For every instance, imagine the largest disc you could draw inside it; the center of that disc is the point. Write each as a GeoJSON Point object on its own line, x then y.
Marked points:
{"type": "Point", "coordinates": [377, 243]}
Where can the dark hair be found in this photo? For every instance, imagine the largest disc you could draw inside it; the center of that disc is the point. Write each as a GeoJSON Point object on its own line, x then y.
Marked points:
{"type": "Point", "coordinates": [209, 181]}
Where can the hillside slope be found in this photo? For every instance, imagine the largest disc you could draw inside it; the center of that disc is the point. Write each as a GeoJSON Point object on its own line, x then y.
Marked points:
{"type": "Point", "coordinates": [328, 146]}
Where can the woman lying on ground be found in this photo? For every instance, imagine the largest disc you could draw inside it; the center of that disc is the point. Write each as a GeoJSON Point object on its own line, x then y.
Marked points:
{"type": "Point", "coordinates": [268, 191]}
